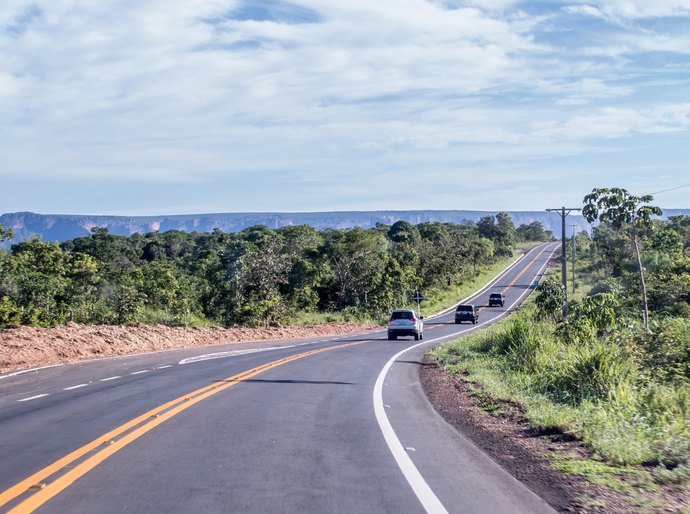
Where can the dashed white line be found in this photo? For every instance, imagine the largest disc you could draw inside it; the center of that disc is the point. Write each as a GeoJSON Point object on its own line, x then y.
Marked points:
{"type": "Point", "coordinates": [32, 397]}
{"type": "Point", "coordinates": [108, 379]}
{"type": "Point", "coordinates": [140, 372]}
{"type": "Point", "coordinates": [74, 387]}
{"type": "Point", "coordinates": [163, 367]}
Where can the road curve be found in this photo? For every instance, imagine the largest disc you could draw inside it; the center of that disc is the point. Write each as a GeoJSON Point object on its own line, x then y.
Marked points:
{"type": "Point", "coordinates": [323, 425]}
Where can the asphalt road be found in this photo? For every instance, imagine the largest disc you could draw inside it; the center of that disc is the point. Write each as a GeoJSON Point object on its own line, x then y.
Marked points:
{"type": "Point", "coordinates": [328, 425]}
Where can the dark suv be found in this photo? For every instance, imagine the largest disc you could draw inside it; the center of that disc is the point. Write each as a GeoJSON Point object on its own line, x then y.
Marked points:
{"type": "Point", "coordinates": [497, 299]}
{"type": "Point", "coordinates": [466, 313]}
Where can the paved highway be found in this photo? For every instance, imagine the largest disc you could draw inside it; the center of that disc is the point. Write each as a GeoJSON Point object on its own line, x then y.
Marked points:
{"type": "Point", "coordinates": [327, 425]}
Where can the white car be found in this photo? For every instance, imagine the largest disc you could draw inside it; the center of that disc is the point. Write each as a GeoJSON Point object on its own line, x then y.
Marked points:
{"type": "Point", "coordinates": [405, 322]}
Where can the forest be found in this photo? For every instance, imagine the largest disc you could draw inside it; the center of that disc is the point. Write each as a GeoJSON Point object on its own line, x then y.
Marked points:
{"type": "Point", "coordinates": [256, 277]}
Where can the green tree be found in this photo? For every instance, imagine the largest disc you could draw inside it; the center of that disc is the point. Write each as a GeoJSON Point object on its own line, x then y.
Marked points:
{"type": "Point", "coordinates": [550, 298]}
{"type": "Point", "coordinates": [39, 272]}
{"type": "Point", "coordinates": [355, 257]}
{"type": "Point", "coordinates": [403, 232]}
{"type": "Point", "coordinates": [505, 234]}
{"type": "Point", "coordinates": [5, 234]}
{"type": "Point", "coordinates": [83, 274]}
{"type": "Point", "coordinates": [303, 246]}
{"type": "Point", "coordinates": [532, 232]}
{"type": "Point", "coordinates": [481, 250]}
{"type": "Point", "coordinates": [623, 211]}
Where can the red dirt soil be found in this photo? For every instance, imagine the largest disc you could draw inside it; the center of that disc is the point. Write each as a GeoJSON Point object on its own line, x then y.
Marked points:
{"type": "Point", "coordinates": [28, 347]}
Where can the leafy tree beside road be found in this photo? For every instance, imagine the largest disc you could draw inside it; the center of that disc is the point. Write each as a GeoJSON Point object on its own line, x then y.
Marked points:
{"type": "Point", "coordinates": [623, 211]}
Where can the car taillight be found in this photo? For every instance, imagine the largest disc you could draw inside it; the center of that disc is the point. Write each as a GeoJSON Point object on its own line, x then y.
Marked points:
{"type": "Point", "coordinates": [391, 319]}
{"type": "Point", "coordinates": [413, 319]}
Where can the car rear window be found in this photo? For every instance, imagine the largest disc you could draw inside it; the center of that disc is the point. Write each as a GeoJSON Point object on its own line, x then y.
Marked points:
{"type": "Point", "coordinates": [495, 295]}
{"type": "Point", "coordinates": [465, 308]}
{"type": "Point", "coordinates": [402, 315]}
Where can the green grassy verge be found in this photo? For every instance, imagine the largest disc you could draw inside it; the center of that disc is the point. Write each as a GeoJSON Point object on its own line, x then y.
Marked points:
{"type": "Point", "coordinates": [636, 427]}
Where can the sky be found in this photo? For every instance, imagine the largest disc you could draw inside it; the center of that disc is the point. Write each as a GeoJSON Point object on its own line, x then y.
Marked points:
{"type": "Point", "coordinates": [146, 107]}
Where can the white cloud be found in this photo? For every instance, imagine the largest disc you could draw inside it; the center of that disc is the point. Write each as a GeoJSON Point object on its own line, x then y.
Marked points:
{"type": "Point", "coordinates": [632, 9]}
{"type": "Point", "coordinates": [142, 92]}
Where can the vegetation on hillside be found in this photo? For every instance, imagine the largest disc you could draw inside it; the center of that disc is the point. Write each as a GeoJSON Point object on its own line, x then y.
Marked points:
{"type": "Point", "coordinates": [616, 372]}
{"type": "Point", "coordinates": [255, 277]}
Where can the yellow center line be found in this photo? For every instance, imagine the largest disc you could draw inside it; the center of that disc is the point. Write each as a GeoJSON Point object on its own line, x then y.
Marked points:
{"type": "Point", "coordinates": [108, 444]}
{"type": "Point", "coordinates": [526, 268]}
{"type": "Point", "coordinates": [519, 274]}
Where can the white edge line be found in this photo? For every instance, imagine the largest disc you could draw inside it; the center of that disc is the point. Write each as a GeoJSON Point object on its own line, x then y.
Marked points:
{"type": "Point", "coordinates": [422, 490]}
{"type": "Point", "coordinates": [109, 378]}
{"type": "Point", "coordinates": [32, 397]}
{"type": "Point", "coordinates": [21, 372]}
{"type": "Point", "coordinates": [140, 372]}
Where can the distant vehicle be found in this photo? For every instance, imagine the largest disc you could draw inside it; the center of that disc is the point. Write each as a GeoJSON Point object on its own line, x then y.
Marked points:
{"type": "Point", "coordinates": [466, 313]}
{"type": "Point", "coordinates": [405, 322]}
{"type": "Point", "coordinates": [497, 299]}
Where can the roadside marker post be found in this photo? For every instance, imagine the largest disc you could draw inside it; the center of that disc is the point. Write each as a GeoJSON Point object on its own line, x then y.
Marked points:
{"type": "Point", "coordinates": [418, 298]}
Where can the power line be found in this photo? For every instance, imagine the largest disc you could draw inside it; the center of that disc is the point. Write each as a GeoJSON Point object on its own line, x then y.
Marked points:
{"type": "Point", "coordinates": [670, 189]}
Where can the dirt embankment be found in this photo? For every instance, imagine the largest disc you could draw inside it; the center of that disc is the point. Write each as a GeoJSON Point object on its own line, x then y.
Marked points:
{"type": "Point", "coordinates": [29, 347]}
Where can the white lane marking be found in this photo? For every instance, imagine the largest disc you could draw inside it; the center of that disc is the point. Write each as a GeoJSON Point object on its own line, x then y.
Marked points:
{"type": "Point", "coordinates": [21, 372]}
{"type": "Point", "coordinates": [163, 367]}
{"type": "Point", "coordinates": [223, 355]}
{"type": "Point", "coordinates": [140, 372]}
{"type": "Point", "coordinates": [74, 387]}
{"type": "Point", "coordinates": [109, 379]}
{"type": "Point", "coordinates": [32, 398]}
{"type": "Point", "coordinates": [422, 490]}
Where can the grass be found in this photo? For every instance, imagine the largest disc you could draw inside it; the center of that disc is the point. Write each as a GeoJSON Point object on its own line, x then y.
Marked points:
{"type": "Point", "coordinates": [597, 391]}
{"type": "Point", "coordinates": [623, 479]}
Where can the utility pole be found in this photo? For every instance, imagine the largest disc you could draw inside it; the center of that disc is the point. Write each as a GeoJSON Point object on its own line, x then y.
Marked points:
{"type": "Point", "coordinates": [572, 252]}
{"type": "Point", "coordinates": [562, 213]}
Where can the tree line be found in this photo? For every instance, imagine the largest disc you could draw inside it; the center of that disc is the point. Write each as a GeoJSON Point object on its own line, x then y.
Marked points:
{"type": "Point", "coordinates": [258, 276]}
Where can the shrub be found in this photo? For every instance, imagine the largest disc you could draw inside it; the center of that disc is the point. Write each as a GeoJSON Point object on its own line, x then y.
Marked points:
{"type": "Point", "coordinates": [9, 313]}
{"type": "Point", "coordinates": [664, 350]}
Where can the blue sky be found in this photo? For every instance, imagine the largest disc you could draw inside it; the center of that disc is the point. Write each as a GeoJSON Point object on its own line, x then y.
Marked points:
{"type": "Point", "coordinates": [150, 107]}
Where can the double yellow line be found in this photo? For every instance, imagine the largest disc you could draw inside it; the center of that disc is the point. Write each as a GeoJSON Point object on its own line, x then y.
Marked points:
{"type": "Point", "coordinates": [546, 247]}
{"type": "Point", "coordinates": [95, 452]}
